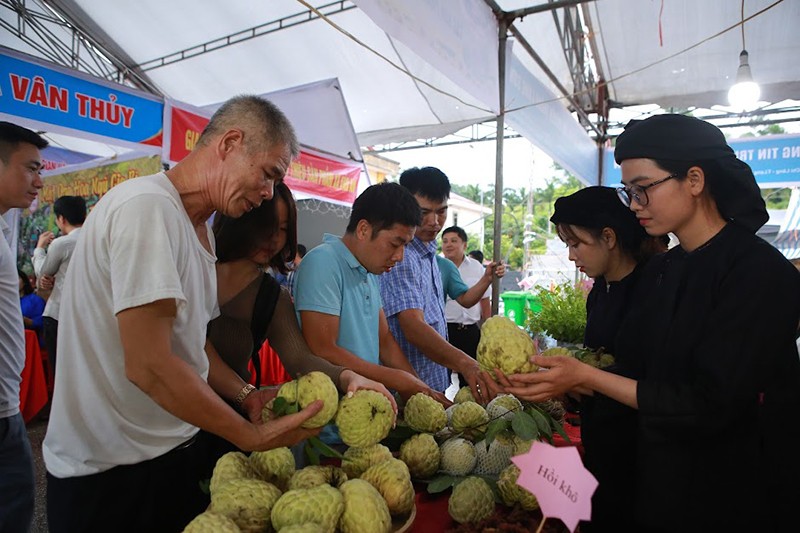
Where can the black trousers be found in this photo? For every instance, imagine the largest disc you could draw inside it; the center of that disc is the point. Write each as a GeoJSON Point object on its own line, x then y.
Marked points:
{"type": "Point", "coordinates": [465, 337]}
{"type": "Point", "coordinates": [162, 494]}
{"type": "Point", "coordinates": [50, 334]}
{"type": "Point", "coordinates": [16, 476]}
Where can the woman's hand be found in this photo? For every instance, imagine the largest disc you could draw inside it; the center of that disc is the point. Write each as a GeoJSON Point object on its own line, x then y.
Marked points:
{"type": "Point", "coordinates": [351, 381]}
{"type": "Point", "coordinates": [556, 376]}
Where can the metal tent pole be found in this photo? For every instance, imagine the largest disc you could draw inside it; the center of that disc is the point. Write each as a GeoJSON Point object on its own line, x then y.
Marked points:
{"type": "Point", "coordinates": [498, 179]}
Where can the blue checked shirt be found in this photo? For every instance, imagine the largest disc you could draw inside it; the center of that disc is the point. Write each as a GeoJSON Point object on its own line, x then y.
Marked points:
{"type": "Point", "coordinates": [415, 283]}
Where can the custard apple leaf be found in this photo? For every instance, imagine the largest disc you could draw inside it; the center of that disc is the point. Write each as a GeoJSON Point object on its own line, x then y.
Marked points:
{"type": "Point", "coordinates": [525, 426]}
{"type": "Point", "coordinates": [495, 427]}
{"type": "Point", "coordinates": [442, 483]}
{"type": "Point", "coordinates": [542, 423]}
{"type": "Point", "coordinates": [281, 406]}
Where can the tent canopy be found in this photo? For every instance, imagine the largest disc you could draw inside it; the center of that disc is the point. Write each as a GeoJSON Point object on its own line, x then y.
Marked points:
{"type": "Point", "coordinates": [202, 52]}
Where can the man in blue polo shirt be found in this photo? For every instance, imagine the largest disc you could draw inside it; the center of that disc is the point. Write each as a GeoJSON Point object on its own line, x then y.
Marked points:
{"type": "Point", "coordinates": [337, 296]}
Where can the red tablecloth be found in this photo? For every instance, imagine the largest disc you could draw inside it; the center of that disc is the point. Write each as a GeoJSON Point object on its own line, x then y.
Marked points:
{"type": "Point", "coordinates": [33, 389]}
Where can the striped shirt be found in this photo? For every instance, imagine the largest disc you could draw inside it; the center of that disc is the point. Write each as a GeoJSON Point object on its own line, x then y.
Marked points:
{"type": "Point", "coordinates": [415, 283]}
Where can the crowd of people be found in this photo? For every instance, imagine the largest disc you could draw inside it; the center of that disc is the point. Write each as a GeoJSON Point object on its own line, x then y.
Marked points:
{"type": "Point", "coordinates": [159, 317]}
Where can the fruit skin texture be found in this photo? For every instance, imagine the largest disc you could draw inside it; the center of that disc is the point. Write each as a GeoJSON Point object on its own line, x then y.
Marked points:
{"type": "Point", "coordinates": [421, 454]}
{"type": "Point", "coordinates": [512, 493]}
{"type": "Point", "coordinates": [393, 481]}
{"type": "Point", "coordinates": [308, 527]}
{"type": "Point", "coordinates": [247, 502]}
{"type": "Point", "coordinates": [472, 501]}
{"type": "Point", "coordinates": [505, 346]}
{"type": "Point", "coordinates": [232, 465]}
{"type": "Point", "coordinates": [315, 475]}
{"type": "Point", "coordinates": [309, 388]}
{"type": "Point", "coordinates": [365, 510]}
{"type": "Point", "coordinates": [423, 413]}
{"type": "Point", "coordinates": [322, 505]}
{"type": "Point", "coordinates": [209, 522]}
{"type": "Point", "coordinates": [494, 458]}
{"type": "Point", "coordinates": [458, 457]}
{"type": "Point", "coordinates": [364, 418]}
{"type": "Point", "coordinates": [503, 406]}
{"type": "Point", "coordinates": [470, 417]}
{"type": "Point", "coordinates": [274, 466]}
{"type": "Point", "coordinates": [464, 394]}
{"type": "Point", "coordinates": [355, 461]}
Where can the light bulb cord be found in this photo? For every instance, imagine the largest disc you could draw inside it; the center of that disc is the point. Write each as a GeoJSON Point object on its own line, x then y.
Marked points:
{"type": "Point", "coordinates": [742, 19]}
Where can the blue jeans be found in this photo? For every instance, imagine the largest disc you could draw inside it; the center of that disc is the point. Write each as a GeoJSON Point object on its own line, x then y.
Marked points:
{"type": "Point", "coordinates": [16, 476]}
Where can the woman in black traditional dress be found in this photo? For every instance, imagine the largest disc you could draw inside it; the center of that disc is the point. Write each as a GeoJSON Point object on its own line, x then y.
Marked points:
{"type": "Point", "coordinates": [607, 243]}
{"type": "Point", "coordinates": [708, 346]}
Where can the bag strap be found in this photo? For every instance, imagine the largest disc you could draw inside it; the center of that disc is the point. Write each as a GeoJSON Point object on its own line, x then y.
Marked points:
{"type": "Point", "coordinates": [263, 310]}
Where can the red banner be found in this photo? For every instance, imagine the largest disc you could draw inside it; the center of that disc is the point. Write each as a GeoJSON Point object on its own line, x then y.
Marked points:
{"type": "Point", "coordinates": [324, 177]}
{"type": "Point", "coordinates": [186, 129]}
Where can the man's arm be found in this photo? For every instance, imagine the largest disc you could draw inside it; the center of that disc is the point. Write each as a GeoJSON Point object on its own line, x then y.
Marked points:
{"type": "Point", "coordinates": [145, 332]}
{"type": "Point", "coordinates": [321, 330]}
{"type": "Point", "coordinates": [47, 256]}
{"type": "Point", "coordinates": [436, 348]}
{"type": "Point", "coordinates": [486, 309]}
{"type": "Point", "coordinates": [475, 293]}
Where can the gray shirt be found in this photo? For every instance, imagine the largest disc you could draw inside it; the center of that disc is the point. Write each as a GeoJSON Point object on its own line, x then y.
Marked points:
{"type": "Point", "coordinates": [54, 262]}
{"type": "Point", "coordinates": [12, 330]}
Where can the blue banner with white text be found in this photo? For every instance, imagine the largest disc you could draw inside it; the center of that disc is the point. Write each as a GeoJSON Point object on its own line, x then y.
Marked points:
{"type": "Point", "coordinates": [775, 160]}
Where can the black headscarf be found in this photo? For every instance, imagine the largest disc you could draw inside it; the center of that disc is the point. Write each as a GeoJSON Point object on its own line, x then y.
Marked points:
{"type": "Point", "coordinates": [691, 140]}
{"type": "Point", "coordinates": [597, 208]}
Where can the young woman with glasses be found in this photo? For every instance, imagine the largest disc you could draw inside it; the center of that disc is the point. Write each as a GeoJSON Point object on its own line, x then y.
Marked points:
{"type": "Point", "coordinates": [706, 353]}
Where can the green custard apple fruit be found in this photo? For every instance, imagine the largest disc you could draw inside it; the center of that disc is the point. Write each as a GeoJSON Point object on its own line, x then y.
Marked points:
{"type": "Point", "coordinates": [469, 417]}
{"type": "Point", "coordinates": [322, 505]}
{"type": "Point", "coordinates": [511, 493]}
{"type": "Point", "coordinates": [503, 407]}
{"type": "Point", "coordinates": [492, 459]}
{"type": "Point", "coordinates": [393, 481]}
{"type": "Point", "coordinates": [458, 457]}
{"type": "Point", "coordinates": [209, 522]}
{"type": "Point", "coordinates": [274, 466]}
{"type": "Point", "coordinates": [506, 346]}
{"type": "Point", "coordinates": [355, 461]}
{"type": "Point", "coordinates": [365, 510]}
{"type": "Point", "coordinates": [309, 388]}
{"type": "Point", "coordinates": [247, 502]}
{"type": "Point", "coordinates": [364, 418]}
{"type": "Point", "coordinates": [423, 413]}
{"type": "Point", "coordinates": [421, 454]}
{"type": "Point", "coordinates": [464, 394]}
{"type": "Point", "coordinates": [232, 465]}
{"type": "Point", "coordinates": [316, 475]}
{"type": "Point", "coordinates": [472, 500]}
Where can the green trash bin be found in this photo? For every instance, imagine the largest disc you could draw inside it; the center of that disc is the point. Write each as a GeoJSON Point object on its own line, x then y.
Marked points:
{"type": "Point", "coordinates": [514, 304]}
{"type": "Point", "coordinates": [534, 303]}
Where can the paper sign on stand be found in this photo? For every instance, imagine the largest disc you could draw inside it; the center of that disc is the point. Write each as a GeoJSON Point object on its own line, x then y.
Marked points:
{"type": "Point", "coordinates": [560, 482]}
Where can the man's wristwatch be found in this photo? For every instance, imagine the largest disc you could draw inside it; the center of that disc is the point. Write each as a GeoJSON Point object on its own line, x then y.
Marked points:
{"type": "Point", "coordinates": [244, 393]}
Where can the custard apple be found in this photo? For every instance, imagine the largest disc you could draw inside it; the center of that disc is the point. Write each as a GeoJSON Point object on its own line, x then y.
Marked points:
{"type": "Point", "coordinates": [322, 505]}
{"type": "Point", "coordinates": [472, 500]}
{"type": "Point", "coordinates": [503, 407]}
{"type": "Point", "coordinates": [469, 417]}
{"type": "Point", "coordinates": [506, 346]}
{"type": "Point", "coordinates": [364, 418]}
{"type": "Point", "coordinates": [393, 481]}
{"type": "Point", "coordinates": [247, 502]}
{"type": "Point", "coordinates": [458, 457]}
{"type": "Point", "coordinates": [365, 510]}
{"type": "Point", "coordinates": [209, 522]}
{"type": "Point", "coordinates": [464, 394]}
{"type": "Point", "coordinates": [512, 493]}
{"type": "Point", "coordinates": [423, 413]}
{"type": "Point", "coordinates": [232, 465]}
{"type": "Point", "coordinates": [521, 445]}
{"type": "Point", "coordinates": [274, 466]}
{"type": "Point", "coordinates": [315, 475]}
{"type": "Point", "coordinates": [421, 454]}
{"type": "Point", "coordinates": [355, 461]}
{"type": "Point", "coordinates": [557, 351]}
{"type": "Point", "coordinates": [308, 527]}
{"type": "Point", "coordinates": [309, 388]}
{"type": "Point", "coordinates": [495, 457]}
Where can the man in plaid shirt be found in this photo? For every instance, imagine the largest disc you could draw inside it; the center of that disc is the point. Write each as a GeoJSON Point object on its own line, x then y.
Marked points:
{"type": "Point", "coordinates": [413, 299]}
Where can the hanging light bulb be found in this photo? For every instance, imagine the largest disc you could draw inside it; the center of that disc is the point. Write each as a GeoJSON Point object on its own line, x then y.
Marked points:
{"type": "Point", "coordinates": [745, 92]}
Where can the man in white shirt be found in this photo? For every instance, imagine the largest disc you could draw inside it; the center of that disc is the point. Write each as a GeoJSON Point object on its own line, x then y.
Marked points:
{"type": "Point", "coordinates": [20, 163]}
{"type": "Point", "coordinates": [51, 259]}
{"type": "Point", "coordinates": [136, 376]}
{"type": "Point", "coordinates": [463, 323]}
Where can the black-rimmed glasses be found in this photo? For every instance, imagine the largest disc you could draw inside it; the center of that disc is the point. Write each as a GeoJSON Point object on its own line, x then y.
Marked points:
{"type": "Point", "coordinates": [638, 193]}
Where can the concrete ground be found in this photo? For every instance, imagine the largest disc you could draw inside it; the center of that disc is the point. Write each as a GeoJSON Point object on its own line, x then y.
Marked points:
{"type": "Point", "coordinates": [36, 431]}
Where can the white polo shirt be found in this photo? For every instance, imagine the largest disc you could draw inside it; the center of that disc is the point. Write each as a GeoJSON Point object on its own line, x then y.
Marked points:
{"type": "Point", "coordinates": [471, 272]}
{"type": "Point", "coordinates": [12, 330]}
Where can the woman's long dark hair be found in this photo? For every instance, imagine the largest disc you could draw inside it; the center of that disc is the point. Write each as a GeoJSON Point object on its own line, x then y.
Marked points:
{"type": "Point", "coordinates": [237, 238]}
{"type": "Point", "coordinates": [27, 287]}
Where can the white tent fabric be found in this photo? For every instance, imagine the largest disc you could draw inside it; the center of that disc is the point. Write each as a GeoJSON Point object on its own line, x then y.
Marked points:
{"type": "Point", "coordinates": [451, 46]}
{"type": "Point", "coordinates": [788, 238]}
